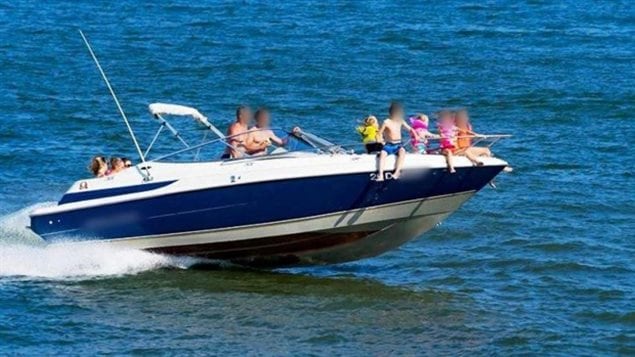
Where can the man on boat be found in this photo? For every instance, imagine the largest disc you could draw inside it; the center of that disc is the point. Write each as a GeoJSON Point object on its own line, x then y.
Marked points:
{"type": "Point", "coordinates": [261, 136]}
{"type": "Point", "coordinates": [237, 133]}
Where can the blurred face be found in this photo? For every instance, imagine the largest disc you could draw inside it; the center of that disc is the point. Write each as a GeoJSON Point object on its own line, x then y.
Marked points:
{"type": "Point", "coordinates": [245, 115]}
{"type": "Point", "coordinates": [447, 118]}
{"type": "Point", "coordinates": [398, 113]}
{"type": "Point", "coordinates": [263, 120]}
{"type": "Point", "coordinates": [462, 118]}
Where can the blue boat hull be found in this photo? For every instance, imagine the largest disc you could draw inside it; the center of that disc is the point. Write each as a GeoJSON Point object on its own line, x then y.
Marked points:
{"type": "Point", "coordinates": [251, 204]}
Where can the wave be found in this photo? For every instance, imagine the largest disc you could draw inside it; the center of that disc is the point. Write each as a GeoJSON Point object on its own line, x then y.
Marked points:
{"type": "Point", "coordinates": [23, 255]}
{"type": "Point", "coordinates": [13, 226]}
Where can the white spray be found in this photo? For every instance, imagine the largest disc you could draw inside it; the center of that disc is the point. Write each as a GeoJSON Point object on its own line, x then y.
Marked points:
{"type": "Point", "coordinates": [25, 256]}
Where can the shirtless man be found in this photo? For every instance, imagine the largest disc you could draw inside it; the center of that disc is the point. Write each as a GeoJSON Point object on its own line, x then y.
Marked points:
{"type": "Point", "coordinates": [390, 135]}
{"type": "Point", "coordinates": [260, 136]}
{"type": "Point", "coordinates": [235, 139]}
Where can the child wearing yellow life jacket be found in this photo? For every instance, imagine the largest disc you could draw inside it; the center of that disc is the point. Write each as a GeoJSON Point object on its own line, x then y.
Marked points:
{"type": "Point", "coordinates": [369, 131]}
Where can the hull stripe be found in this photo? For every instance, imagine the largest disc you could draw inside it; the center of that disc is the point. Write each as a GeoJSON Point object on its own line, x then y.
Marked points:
{"type": "Point", "coordinates": [90, 195]}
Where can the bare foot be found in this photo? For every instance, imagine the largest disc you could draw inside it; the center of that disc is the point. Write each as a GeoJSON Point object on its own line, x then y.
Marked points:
{"type": "Point", "coordinates": [379, 178]}
{"type": "Point", "coordinates": [452, 170]}
{"type": "Point", "coordinates": [396, 175]}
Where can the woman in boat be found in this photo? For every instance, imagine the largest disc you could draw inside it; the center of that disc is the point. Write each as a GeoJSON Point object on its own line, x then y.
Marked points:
{"type": "Point", "coordinates": [98, 166]}
{"type": "Point", "coordinates": [116, 165]}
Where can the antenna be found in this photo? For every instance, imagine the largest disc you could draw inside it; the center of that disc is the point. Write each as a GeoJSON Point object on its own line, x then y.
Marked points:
{"type": "Point", "coordinates": [114, 96]}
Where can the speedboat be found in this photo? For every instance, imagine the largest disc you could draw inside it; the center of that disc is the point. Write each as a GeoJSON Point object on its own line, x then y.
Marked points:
{"type": "Point", "coordinates": [308, 202]}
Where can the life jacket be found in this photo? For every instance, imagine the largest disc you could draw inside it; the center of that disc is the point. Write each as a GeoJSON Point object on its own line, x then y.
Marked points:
{"type": "Point", "coordinates": [448, 136]}
{"type": "Point", "coordinates": [463, 141]}
{"type": "Point", "coordinates": [368, 133]}
{"type": "Point", "coordinates": [421, 128]}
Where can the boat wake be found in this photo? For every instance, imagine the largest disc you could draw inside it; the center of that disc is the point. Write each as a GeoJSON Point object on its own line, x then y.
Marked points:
{"type": "Point", "coordinates": [24, 256]}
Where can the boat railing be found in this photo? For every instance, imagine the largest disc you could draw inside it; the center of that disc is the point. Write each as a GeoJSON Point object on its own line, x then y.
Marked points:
{"type": "Point", "coordinates": [485, 140]}
{"type": "Point", "coordinates": [434, 143]}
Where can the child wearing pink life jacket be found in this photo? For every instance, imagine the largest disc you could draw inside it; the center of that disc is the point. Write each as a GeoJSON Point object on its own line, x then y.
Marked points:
{"type": "Point", "coordinates": [420, 133]}
{"type": "Point", "coordinates": [447, 132]}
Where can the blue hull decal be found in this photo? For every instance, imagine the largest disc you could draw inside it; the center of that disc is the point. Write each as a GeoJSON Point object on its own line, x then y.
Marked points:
{"type": "Point", "coordinates": [90, 195]}
{"type": "Point", "coordinates": [247, 204]}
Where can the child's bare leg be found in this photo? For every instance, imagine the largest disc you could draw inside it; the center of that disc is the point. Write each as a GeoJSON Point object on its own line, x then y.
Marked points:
{"type": "Point", "coordinates": [480, 151]}
{"type": "Point", "coordinates": [401, 155]}
{"type": "Point", "coordinates": [471, 155]}
{"type": "Point", "coordinates": [382, 162]}
{"type": "Point", "coordinates": [449, 161]}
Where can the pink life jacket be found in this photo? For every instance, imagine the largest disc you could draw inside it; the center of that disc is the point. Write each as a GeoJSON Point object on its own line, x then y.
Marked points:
{"type": "Point", "coordinates": [420, 127]}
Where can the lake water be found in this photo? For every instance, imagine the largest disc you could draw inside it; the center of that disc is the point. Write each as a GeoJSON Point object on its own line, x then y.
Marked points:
{"type": "Point", "coordinates": [542, 265]}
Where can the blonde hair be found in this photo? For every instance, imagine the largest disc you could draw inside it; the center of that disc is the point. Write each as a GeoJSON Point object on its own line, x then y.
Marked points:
{"type": "Point", "coordinates": [96, 164]}
{"type": "Point", "coordinates": [423, 117]}
{"type": "Point", "coordinates": [371, 120]}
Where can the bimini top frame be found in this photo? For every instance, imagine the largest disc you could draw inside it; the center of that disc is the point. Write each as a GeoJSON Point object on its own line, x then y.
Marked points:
{"type": "Point", "coordinates": [158, 110]}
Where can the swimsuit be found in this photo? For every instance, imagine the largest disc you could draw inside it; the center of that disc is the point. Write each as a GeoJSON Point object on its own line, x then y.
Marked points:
{"type": "Point", "coordinates": [392, 148]}
{"type": "Point", "coordinates": [421, 148]}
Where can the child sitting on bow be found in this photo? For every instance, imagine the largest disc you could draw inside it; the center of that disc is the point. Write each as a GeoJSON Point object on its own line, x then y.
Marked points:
{"type": "Point", "coordinates": [420, 134]}
{"type": "Point", "coordinates": [368, 130]}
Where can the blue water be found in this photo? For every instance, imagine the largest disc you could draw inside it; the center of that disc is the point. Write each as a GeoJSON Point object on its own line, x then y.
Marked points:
{"type": "Point", "coordinates": [542, 265]}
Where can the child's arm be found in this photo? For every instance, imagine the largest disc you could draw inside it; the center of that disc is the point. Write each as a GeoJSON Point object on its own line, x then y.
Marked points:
{"type": "Point", "coordinates": [412, 131]}
{"type": "Point", "coordinates": [429, 134]}
{"type": "Point", "coordinates": [380, 132]}
{"type": "Point", "coordinates": [469, 132]}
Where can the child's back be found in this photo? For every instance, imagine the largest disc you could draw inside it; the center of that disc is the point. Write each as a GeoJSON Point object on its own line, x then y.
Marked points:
{"type": "Point", "coordinates": [369, 131]}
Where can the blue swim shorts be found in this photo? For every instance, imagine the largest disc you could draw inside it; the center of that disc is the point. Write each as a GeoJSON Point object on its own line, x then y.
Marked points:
{"type": "Point", "coordinates": [392, 148]}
